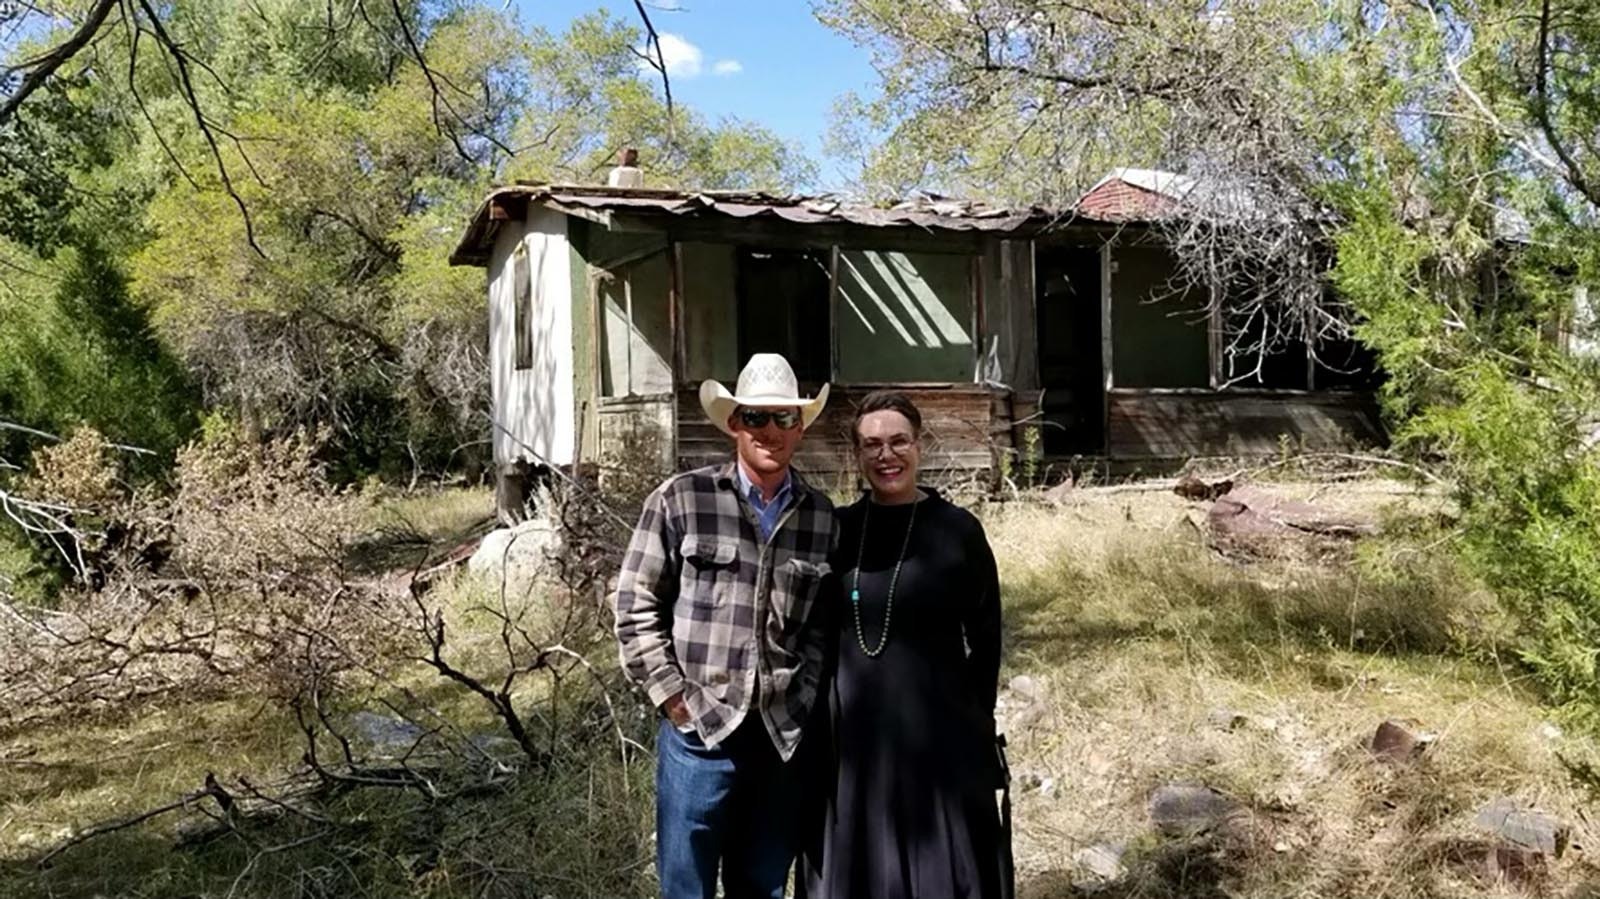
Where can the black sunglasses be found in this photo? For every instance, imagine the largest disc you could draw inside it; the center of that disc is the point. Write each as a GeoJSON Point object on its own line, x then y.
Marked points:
{"type": "Point", "coordinates": [755, 419]}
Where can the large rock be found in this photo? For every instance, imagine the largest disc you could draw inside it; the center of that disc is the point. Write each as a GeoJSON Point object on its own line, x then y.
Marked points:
{"type": "Point", "coordinates": [386, 734]}
{"type": "Point", "coordinates": [520, 553]}
{"type": "Point", "coordinates": [1100, 864]}
{"type": "Point", "coordinates": [1399, 742]}
{"type": "Point", "coordinates": [1188, 810]}
{"type": "Point", "coordinates": [1021, 705]}
{"type": "Point", "coordinates": [1026, 687]}
{"type": "Point", "coordinates": [1523, 828]}
{"type": "Point", "coordinates": [1250, 521]}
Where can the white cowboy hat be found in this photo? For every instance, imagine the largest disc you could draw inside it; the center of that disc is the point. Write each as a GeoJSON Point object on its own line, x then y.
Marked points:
{"type": "Point", "coordinates": [767, 381]}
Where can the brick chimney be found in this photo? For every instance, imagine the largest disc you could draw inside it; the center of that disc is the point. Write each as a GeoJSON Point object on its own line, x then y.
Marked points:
{"type": "Point", "coordinates": [628, 174]}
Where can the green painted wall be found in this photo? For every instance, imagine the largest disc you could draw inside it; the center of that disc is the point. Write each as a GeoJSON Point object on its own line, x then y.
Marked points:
{"type": "Point", "coordinates": [711, 312]}
{"type": "Point", "coordinates": [603, 248]}
{"type": "Point", "coordinates": [904, 317]}
{"type": "Point", "coordinates": [1157, 340]}
{"type": "Point", "coordinates": [583, 386]}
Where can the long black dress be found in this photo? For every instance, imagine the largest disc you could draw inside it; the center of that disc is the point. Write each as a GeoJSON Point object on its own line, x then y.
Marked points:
{"type": "Point", "coordinates": [910, 802]}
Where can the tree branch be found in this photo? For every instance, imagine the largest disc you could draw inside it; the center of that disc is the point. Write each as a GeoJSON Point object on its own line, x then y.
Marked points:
{"type": "Point", "coordinates": [186, 85]}
{"type": "Point", "coordinates": [1541, 107]}
{"type": "Point", "coordinates": [46, 65]}
{"type": "Point", "coordinates": [659, 63]}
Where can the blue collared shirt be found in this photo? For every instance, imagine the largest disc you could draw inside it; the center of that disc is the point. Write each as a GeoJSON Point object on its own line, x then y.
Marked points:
{"type": "Point", "coordinates": [767, 514]}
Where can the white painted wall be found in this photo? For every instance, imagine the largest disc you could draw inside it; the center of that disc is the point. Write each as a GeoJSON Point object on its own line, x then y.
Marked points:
{"type": "Point", "coordinates": [533, 408]}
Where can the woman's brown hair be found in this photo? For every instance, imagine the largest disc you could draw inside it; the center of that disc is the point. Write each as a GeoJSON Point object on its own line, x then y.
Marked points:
{"type": "Point", "coordinates": [886, 401]}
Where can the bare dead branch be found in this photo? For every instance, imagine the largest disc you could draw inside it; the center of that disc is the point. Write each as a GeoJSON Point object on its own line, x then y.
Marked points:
{"type": "Point", "coordinates": [185, 801]}
{"type": "Point", "coordinates": [658, 61]}
{"type": "Point", "coordinates": [192, 100]}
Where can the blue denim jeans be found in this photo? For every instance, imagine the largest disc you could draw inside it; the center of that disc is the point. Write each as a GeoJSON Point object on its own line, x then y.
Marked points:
{"type": "Point", "coordinates": [735, 805]}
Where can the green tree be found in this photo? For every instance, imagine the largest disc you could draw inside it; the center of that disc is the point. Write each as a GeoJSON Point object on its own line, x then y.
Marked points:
{"type": "Point", "coordinates": [1446, 150]}
{"type": "Point", "coordinates": [293, 180]}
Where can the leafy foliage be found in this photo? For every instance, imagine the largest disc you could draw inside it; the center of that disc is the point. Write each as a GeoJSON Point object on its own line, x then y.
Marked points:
{"type": "Point", "coordinates": [1445, 150]}
{"type": "Point", "coordinates": [291, 251]}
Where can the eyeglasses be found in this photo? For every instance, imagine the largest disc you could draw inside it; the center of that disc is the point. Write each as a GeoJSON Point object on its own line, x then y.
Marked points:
{"type": "Point", "coordinates": [899, 444]}
{"type": "Point", "coordinates": [756, 419]}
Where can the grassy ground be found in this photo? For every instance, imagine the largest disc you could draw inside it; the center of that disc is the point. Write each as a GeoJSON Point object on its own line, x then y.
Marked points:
{"type": "Point", "coordinates": [1154, 662]}
{"type": "Point", "coordinates": [1138, 658]}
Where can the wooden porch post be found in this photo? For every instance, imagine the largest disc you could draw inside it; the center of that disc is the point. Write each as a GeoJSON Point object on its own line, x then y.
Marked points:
{"type": "Point", "coordinates": [980, 328]}
{"type": "Point", "coordinates": [833, 313]}
{"type": "Point", "coordinates": [675, 311]}
{"type": "Point", "coordinates": [1107, 268]}
{"type": "Point", "coordinates": [675, 316]}
{"type": "Point", "coordinates": [1214, 338]}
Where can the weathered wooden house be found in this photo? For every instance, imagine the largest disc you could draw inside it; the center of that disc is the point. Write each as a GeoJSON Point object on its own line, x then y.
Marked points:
{"type": "Point", "coordinates": [609, 306]}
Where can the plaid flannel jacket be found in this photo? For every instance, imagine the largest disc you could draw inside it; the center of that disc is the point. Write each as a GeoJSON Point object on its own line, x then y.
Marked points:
{"type": "Point", "coordinates": [705, 607]}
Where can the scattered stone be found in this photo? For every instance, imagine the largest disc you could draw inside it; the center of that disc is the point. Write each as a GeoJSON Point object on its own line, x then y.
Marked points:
{"type": "Point", "coordinates": [1524, 828]}
{"type": "Point", "coordinates": [1100, 863]}
{"type": "Point", "coordinates": [1061, 494]}
{"type": "Point", "coordinates": [1020, 719]}
{"type": "Point", "coordinates": [1184, 809]}
{"type": "Point", "coordinates": [1047, 787]}
{"type": "Point", "coordinates": [1028, 780]}
{"type": "Point", "coordinates": [1513, 863]}
{"type": "Point", "coordinates": [1099, 763]}
{"type": "Point", "coordinates": [1191, 487]}
{"type": "Point", "coordinates": [1397, 743]}
{"type": "Point", "coordinates": [1026, 687]}
{"type": "Point", "coordinates": [519, 552]}
{"type": "Point", "coordinates": [1227, 719]}
{"type": "Point", "coordinates": [384, 732]}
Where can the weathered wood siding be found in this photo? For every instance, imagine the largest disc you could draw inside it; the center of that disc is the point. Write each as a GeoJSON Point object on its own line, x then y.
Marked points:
{"type": "Point", "coordinates": [963, 425]}
{"type": "Point", "coordinates": [1010, 354]}
{"type": "Point", "coordinates": [533, 407]}
{"type": "Point", "coordinates": [636, 430]}
{"type": "Point", "coordinates": [1177, 424]}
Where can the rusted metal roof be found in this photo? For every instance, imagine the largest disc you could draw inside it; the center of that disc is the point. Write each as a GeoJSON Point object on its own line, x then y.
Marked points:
{"type": "Point", "coordinates": [928, 213]}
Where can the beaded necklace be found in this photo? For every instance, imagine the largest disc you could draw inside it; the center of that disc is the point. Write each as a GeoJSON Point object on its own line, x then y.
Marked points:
{"type": "Point", "coordinates": [855, 589]}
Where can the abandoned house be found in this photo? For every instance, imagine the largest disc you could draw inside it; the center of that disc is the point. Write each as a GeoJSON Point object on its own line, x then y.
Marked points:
{"type": "Point", "coordinates": [609, 306]}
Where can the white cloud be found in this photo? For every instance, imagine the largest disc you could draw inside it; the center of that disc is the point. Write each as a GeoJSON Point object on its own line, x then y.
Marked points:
{"type": "Point", "coordinates": [682, 58]}
{"type": "Point", "coordinates": [727, 67]}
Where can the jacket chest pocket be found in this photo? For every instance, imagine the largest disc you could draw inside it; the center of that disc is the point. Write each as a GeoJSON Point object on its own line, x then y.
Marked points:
{"type": "Point", "coordinates": [710, 570]}
{"type": "Point", "coordinates": [797, 584]}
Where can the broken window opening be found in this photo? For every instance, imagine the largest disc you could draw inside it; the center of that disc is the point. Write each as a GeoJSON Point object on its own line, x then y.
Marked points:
{"type": "Point", "coordinates": [522, 305]}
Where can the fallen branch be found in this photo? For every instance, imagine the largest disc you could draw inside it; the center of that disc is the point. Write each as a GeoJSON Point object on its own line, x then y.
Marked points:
{"type": "Point", "coordinates": [113, 826]}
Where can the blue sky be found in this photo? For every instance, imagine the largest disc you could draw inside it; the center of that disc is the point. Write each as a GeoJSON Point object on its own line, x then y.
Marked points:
{"type": "Point", "coordinates": [766, 61]}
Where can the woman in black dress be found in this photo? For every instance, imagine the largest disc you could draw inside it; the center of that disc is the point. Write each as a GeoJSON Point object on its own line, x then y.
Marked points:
{"type": "Point", "coordinates": [910, 790]}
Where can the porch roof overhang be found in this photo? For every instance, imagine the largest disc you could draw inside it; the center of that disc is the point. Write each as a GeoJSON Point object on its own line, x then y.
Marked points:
{"type": "Point", "coordinates": [631, 209]}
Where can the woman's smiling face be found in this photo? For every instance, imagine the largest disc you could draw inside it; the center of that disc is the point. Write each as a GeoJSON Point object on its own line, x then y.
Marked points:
{"type": "Point", "coordinates": [889, 453]}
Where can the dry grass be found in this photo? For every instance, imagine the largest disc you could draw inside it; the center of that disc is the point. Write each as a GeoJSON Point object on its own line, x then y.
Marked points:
{"type": "Point", "coordinates": [575, 824]}
{"type": "Point", "coordinates": [1134, 633]}
{"type": "Point", "coordinates": [439, 515]}
{"type": "Point", "coordinates": [406, 531]}
{"type": "Point", "coordinates": [1138, 637]}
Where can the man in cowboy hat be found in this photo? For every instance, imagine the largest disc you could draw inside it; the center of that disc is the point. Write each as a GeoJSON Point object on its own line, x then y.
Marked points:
{"type": "Point", "coordinates": [718, 619]}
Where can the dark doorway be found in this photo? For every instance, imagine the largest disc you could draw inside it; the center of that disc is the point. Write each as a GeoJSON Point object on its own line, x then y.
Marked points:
{"type": "Point", "coordinates": [783, 308]}
{"type": "Point", "coordinates": [1068, 280]}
